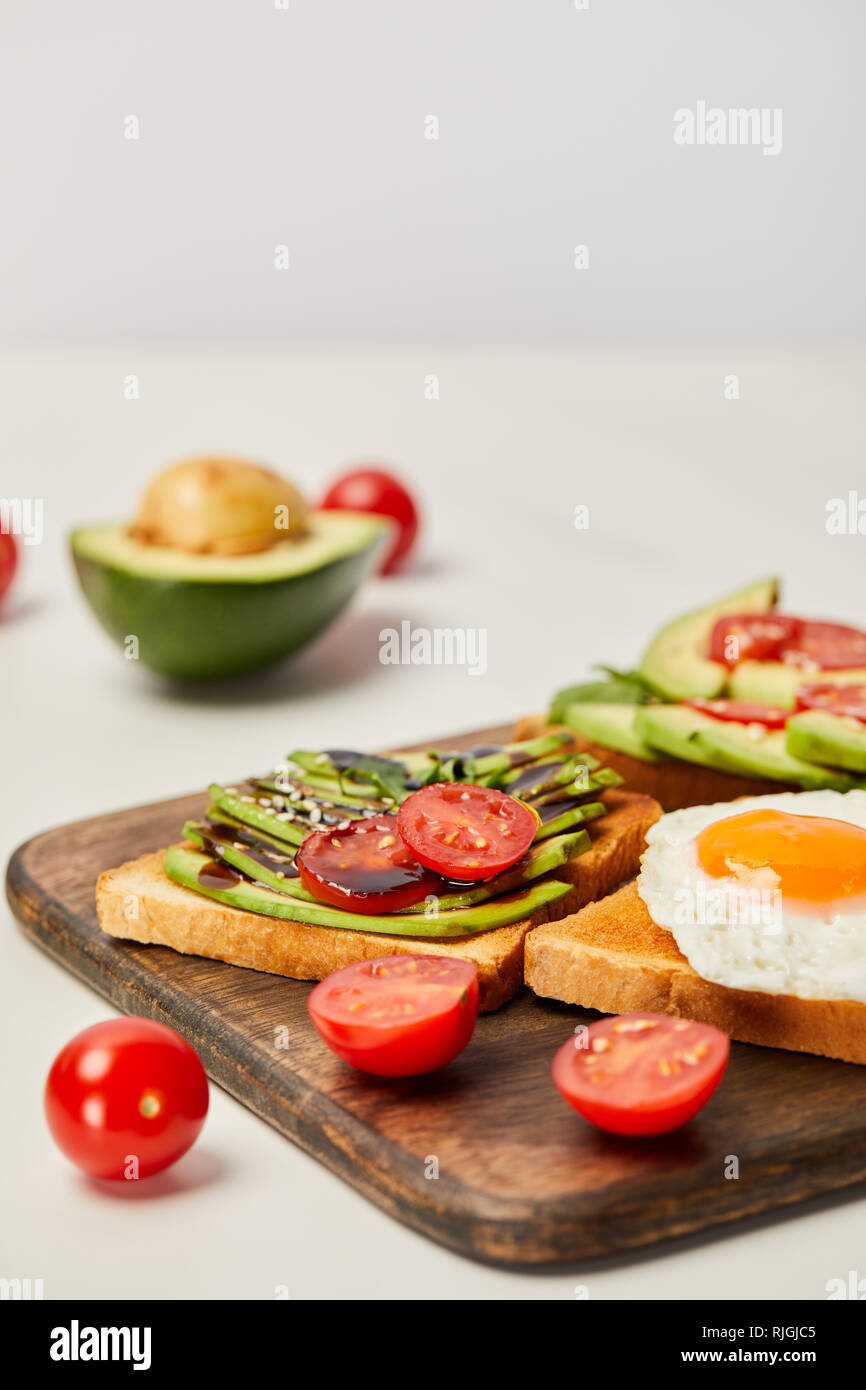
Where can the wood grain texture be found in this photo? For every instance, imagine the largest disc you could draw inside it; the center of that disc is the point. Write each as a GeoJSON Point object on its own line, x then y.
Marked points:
{"type": "Point", "coordinates": [522, 1180]}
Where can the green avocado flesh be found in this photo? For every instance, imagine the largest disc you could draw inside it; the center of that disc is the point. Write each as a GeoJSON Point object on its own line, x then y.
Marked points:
{"type": "Point", "coordinates": [255, 829]}
{"type": "Point", "coordinates": [727, 746]}
{"type": "Point", "coordinates": [776, 683]}
{"type": "Point", "coordinates": [184, 866]}
{"type": "Point", "coordinates": [542, 858]}
{"type": "Point", "coordinates": [676, 664]}
{"type": "Point", "coordinates": [199, 617]}
{"type": "Point", "coordinates": [834, 739]}
{"type": "Point", "coordinates": [611, 726]}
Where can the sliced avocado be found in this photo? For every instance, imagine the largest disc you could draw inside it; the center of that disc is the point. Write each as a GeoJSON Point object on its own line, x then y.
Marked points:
{"type": "Point", "coordinates": [611, 726]}
{"type": "Point", "coordinates": [617, 687]}
{"type": "Point", "coordinates": [671, 729]}
{"type": "Point", "coordinates": [541, 858]}
{"type": "Point", "coordinates": [747, 749]}
{"type": "Point", "coordinates": [200, 616]}
{"type": "Point", "coordinates": [676, 662]}
{"type": "Point", "coordinates": [183, 866]}
{"type": "Point", "coordinates": [248, 810]}
{"type": "Point", "coordinates": [272, 876]}
{"type": "Point", "coordinates": [820, 737]}
{"type": "Point", "coordinates": [577, 815]}
{"type": "Point", "coordinates": [777, 683]}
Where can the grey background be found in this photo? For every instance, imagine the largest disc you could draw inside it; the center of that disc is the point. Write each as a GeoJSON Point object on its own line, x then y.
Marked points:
{"type": "Point", "coordinates": [305, 127]}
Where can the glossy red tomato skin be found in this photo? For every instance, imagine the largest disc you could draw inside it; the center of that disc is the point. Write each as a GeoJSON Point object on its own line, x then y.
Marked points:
{"type": "Point", "coordinates": [126, 1088]}
{"type": "Point", "coordinates": [375, 490]}
{"type": "Point", "coordinates": [398, 1044]}
{"type": "Point", "coordinates": [743, 712]}
{"type": "Point", "coordinates": [849, 700]}
{"type": "Point", "coordinates": [364, 868]}
{"type": "Point", "coordinates": [826, 646]}
{"type": "Point", "coordinates": [639, 1100]}
{"type": "Point", "coordinates": [760, 636]}
{"type": "Point", "coordinates": [8, 560]}
{"type": "Point", "coordinates": [428, 817]}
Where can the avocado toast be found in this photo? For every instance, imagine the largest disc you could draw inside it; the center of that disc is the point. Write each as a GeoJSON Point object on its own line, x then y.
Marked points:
{"type": "Point", "coordinates": [731, 699]}
{"type": "Point", "coordinates": [231, 889]}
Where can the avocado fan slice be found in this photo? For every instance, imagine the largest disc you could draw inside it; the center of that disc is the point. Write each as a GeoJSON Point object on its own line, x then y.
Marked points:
{"type": "Point", "coordinates": [529, 782]}
{"type": "Point", "coordinates": [248, 810]}
{"type": "Point", "coordinates": [576, 815]}
{"type": "Point", "coordinates": [183, 866]}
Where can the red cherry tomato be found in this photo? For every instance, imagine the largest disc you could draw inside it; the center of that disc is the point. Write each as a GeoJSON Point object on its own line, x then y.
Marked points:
{"type": "Point", "coordinates": [641, 1073]}
{"type": "Point", "coordinates": [398, 1015]}
{"type": "Point", "coordinates": [827, 646]}
{"type": "Point", "coordinates": [743, 712]}
{"type": "Point", "coordinates": [364, 868]}
{"type": "Point", "coordinates": [8, 560]}
{"type": "Point", "coordinates": [751, 637]}
{"type": "Point", "coordinates": [835, 699]}
{"type": "Point", "coordinates": [374, 490]}
{"type": "Point", "coordinates": [466, 832]}
{"type": "Point", "coordinates": [126, 1098]}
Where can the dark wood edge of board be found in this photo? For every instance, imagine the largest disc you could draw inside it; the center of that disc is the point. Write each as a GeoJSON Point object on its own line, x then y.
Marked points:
{"type": "Point", "coordinates": [466, 1220]}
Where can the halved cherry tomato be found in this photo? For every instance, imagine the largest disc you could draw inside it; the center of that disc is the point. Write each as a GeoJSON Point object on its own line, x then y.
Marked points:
{"type": "Point", "coordinates": [743, 712]}
{"type": "Point", "coordinates": [641, 1073]}
{"type": "Point", "coordinates": [364, 868]}
{"type": "Point", "coordinates": [835, 699]}
{"type": "Point", "coordinates": [8, 560]}
{"type": "Point", "coordinates": [374, 490]}
{"type": "Point", "coordinates": [126, 1098]}
{"type": "Point", "coordinates": [398, 1015]}
{"type": "Point", "coordinates": [466, 832]}
{"type": "Point", "coordinates": [827, 646]}
{"type": "Point", "coordinates": [751, 637]}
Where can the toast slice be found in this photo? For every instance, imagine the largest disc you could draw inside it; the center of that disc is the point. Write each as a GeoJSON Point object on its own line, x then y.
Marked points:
{"type": "Point", "coordinates": [138, 901]}
{"type": "Point", "coordinates": [613, 957]}
{"type": "Point", "coordinates": [674, 783]}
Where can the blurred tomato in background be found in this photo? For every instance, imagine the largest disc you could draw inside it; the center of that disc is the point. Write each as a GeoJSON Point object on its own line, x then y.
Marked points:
{"type": "Point", "coordinates": [8, 560]}
{"type": "Point", "coordinates": [375, 490]}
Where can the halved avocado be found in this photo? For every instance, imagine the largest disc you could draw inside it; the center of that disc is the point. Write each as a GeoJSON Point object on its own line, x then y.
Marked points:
{"type": "Point", "coordinates": [676, 662]}
{"type": "Point", "coordinates": [202, 616]}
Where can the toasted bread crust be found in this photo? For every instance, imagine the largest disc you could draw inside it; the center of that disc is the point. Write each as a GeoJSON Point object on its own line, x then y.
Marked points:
{"type": "Point", "coordinates": [673, 783]}
{"type": "Point", "coordinates": [138, 901]}
{"type": "Point", "coordinates": [612, 956]}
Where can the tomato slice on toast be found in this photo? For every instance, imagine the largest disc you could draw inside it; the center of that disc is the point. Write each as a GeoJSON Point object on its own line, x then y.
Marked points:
{"type": "Point", "coordinates": [742, 712]}
{"type": "Point", "coordinates": [847, 700]}
{"type": "Point", "coordinates": [465, 832]}
{"type": "Point", "coordinates": [364, 866]}
{"type": "Point", "coordinates": [751, 637]}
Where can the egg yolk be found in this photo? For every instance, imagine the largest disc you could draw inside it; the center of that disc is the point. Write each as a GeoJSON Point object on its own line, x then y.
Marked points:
{"type": "Point", "coordinates": [814, 859]}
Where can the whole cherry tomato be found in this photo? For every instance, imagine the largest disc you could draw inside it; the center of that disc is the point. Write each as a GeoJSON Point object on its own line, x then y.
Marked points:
{"type": "Point", "coordinates": [126, 1098]}
{"type": "Point", "coordinates": [374, 490]}
{"type": "Point", "coordinates": [8, 560]}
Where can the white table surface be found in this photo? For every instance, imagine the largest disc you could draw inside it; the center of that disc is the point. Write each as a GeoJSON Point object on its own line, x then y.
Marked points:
{"type": "Point", "coordinates": [689, 495]}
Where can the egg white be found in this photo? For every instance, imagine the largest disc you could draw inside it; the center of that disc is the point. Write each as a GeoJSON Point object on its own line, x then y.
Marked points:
{"type": "Point", "coordinates": [754, 941]}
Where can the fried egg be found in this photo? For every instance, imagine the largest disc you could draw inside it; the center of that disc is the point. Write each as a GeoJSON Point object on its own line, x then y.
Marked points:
{"type": "Point", "coordinates": [767, 893]}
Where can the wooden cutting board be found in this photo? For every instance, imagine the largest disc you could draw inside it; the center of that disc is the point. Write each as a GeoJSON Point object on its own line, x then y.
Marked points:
{"type": "Point", "coordinates": [521, 1178]}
